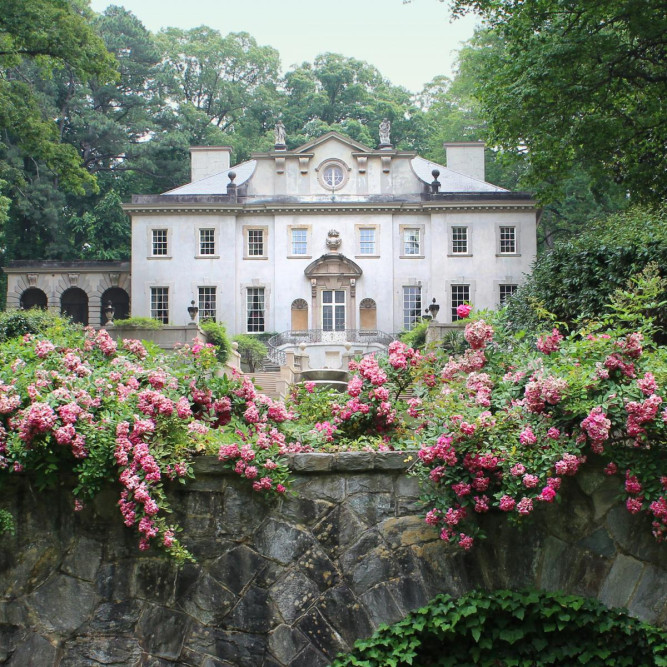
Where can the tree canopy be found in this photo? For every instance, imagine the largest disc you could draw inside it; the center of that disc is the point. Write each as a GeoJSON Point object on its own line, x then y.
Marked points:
{"type": "Point", "coordinates": [38, 38]}
{"type": "Point", "coordinates": [95, 107]}
{"type": "Point", "coordinates": [578, 85]}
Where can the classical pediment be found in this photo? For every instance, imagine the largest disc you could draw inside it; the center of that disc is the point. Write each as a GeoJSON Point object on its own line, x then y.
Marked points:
{"type": "Point", "coordinates": [333, 264]}
{"type": "Point", "coordinates": [341, 138]}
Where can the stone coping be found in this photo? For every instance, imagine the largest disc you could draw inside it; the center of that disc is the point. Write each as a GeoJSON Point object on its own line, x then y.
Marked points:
{"type": "Point", "coordinates": [322, 462]}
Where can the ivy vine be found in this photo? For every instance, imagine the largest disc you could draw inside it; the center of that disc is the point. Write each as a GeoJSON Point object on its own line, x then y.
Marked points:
{"type": "Point", "coordinates": [511, 629]}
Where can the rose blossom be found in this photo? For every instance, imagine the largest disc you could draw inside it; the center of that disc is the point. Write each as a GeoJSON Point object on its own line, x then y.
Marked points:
{"type": "Point", "coordinates": [549, 343]}
{"type": "Point", "coordinates": [527, 437]}
{"type": "Point", "coordinates": [463, 310]}
{"type": "Point", "coordinates": [465, 541]}
{"type": "Point", "coordinates": [525, 506]}
{"type": "Point", "coordinates": [548, 494]}
{"type": "Point", "coordinates": [507, 503]}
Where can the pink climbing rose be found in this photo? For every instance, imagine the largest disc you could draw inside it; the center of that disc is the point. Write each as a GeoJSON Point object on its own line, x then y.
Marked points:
{"type": "Point", "coordinates": [463, 310]}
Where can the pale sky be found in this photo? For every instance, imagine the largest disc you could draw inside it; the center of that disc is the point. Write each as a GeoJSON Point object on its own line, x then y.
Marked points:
{"type": "Point", "coordinates": [409, 43]}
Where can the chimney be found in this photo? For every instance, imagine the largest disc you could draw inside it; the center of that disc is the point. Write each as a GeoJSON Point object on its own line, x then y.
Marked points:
{"type": "Point", "coordinates": [208, 160]}
{"type": "Point", "coordinates": [466, 157]}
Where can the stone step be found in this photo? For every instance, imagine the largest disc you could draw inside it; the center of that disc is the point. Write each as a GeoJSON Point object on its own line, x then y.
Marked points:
{"type": "Point", "coordinates": [269, 366]}
{"type": "Point", "coordinates": [266, 382]}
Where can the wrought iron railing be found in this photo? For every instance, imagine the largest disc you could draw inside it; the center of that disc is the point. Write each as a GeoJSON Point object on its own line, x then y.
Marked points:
{"type": "Point", "coordinates": [294, 338]}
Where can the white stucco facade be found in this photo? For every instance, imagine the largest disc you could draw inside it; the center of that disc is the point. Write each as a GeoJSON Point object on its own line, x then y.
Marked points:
{"type": "Point", "coordinates": [330, 230]}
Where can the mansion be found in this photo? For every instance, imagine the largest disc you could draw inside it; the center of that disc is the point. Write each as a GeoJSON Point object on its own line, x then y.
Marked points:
{"type": "Point", "coordinates": [331, 236]}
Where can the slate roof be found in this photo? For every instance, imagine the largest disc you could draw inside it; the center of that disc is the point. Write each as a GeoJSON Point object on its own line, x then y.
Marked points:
{"type": "Point", "coordinates": [217, 184]}
{"type": "Point", "coordinates": [450, 181]}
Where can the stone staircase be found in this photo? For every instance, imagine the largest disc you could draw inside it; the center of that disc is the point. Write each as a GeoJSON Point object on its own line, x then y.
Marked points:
{"type": "Point", "coordinates": [269, 366]}
{"type": "Point", "coordinates": [266, 382]}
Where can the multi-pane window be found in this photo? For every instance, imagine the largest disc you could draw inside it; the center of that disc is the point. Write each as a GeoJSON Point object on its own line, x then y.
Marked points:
{"type": "Point", "coordinates": [506, 292]}
{"type": "Point", "coordinates": [207, 303]}
{"type": "Point", "coordinates": [367, 241]}
{"type": "Point", "coordinates": [507, 240]}
{"type": "Point", "coordinates": [460, 295]}
{"type": "Point", "coordinates": [459, 240]}
{"type": "Point", "coordinates": [207, 241]}
{"type": "Point", "coordinates": [160, 304]}
{"type": "Point", "coordinates": [412, 306]}
{"type": "Point", "coordinates": [159, 245]}
{"type": "Point", "coordinates": [411, 242]}
{"type": "Point", "coordinates": [255, 309]}
{"type": "Point", "coordinates": [255, 242]}
{"type": "Point", "coordinates": [333, 310]}
{"type": "Point", "coordinates": [299, 241]}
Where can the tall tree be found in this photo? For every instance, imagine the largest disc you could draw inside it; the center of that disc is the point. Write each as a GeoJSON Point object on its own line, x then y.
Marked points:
{"type": "Point", "coordinates": [454, 111]}
{"type": "Point", "coordinates": [223, 88]}
{"type": "Point", "coordinates": [107, 124]}
{"type": "Point", "coordinates": [579, 84]}
{"type": "Point", "coordinates": [350, 96]}
{"type": "Point", "coordinates": [47, 35]}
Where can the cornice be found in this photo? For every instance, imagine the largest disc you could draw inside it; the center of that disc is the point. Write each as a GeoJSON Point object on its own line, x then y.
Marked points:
{"type": "Point", "coordinates": [328, 208]}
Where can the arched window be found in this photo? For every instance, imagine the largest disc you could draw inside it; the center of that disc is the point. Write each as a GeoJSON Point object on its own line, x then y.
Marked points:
{"type": "Point", "coordinates": [74, 304]}
{"type": "Point", "coordinates": [33, 298]}
{"type": "Point", "coordinates": [368, 314]}
{"type": "Point", "coordinates": [299, 315]}
{"type": "Point", "coordinates": [120, 301]}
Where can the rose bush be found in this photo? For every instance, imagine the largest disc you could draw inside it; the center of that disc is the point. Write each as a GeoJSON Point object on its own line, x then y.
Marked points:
{"type": "Point", "coordinates": [514, 417]}
{"type": "Point", "coordinates": [497, 427]}
{"type": "Point", "coordinates": [373, 414]}
{"type": "Point", "coordinates": [77, 401]}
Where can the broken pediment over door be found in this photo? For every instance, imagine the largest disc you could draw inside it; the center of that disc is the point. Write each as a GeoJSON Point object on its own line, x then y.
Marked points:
{"type": "Point", "coordinates": [333, 264]}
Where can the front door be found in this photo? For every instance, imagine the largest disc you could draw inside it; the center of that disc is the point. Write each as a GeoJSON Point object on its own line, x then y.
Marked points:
{"type": "Point", "coordinates": [333, 310]}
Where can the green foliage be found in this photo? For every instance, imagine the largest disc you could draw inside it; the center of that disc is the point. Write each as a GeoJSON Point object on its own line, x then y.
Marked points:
{"type": "Point", "coordinates": [140, 323]}
{"type": "Point", "coordinates": [577, 85]}
{"type": "Point", "coordinates": [15, 323]}
{"type": "Point", "coordinates": [482, 629]}
{"type": "Point", "coordinates": [577, 278]}
{"type": "Point", "coordinates": [453, 111]}
{"type": "Point", "coordinates": [223, 87]}
{"type": "Point", "coordinates": [252, 351]}
{"type": "Point", "coordinates": [453, 342]}
{"type": "Point", "coordinates": [216, 334]}
{"type": "Point", "coordinates": [7, 525]}
{"type": "Point", "coordinates": [102, 233]}
{"type": "Point", "coordinates": [48, 35]}
{"type": "Point", "coordinates": [415, 337]}
{"type": "Point", "coordinates": [352, 97]}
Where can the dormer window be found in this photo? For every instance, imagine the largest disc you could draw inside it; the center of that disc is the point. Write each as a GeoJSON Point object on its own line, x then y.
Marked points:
{"type": "Point", "coordinates": [333, 175]}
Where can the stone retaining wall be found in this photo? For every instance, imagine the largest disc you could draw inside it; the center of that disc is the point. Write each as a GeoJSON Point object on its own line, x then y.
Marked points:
{"type": "Point", "coordinates": [291, 582]}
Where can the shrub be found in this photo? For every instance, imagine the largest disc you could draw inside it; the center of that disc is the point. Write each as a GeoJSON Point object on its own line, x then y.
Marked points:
{"type": "Point", "coordinates": [79, 403]}
{"type": "Point", "coordinates": [14, 323]}
{"type": "Point", "coordinates": [514, 417]}
{"type": "Point", "coordinates": [139, 323]}
{"type": "Point", "coordinates": [577, 278]}
{"type": "Point", "coordinates": [216, 334]}
{"type": "Point", "coordinates": [416, 337]}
